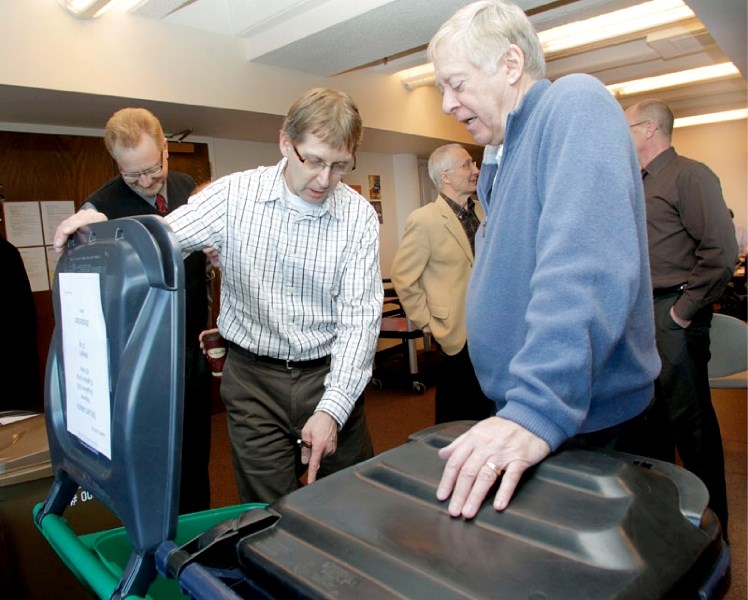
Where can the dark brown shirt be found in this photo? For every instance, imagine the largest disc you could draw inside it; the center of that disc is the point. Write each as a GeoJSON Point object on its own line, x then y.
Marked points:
{"type": "Point", "coordinates": [467, 217]}
{"type": "Point", "coordinates": [691, 235]}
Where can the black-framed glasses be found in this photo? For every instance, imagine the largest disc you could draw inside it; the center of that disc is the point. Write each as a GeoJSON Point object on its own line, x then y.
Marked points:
{"type": "Point", "coordinates": [154, 171]}
{"type": "Point", "coordinates": [317, 165]}
{"type": "Point", "coordinates": [639, 123]}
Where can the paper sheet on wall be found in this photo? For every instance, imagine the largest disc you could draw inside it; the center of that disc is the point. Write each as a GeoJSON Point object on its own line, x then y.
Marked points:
{"type": "Point", "coordinates": [23, 225]}
{"type": "Point", "coordinates": [85, 351]}
{"type": "Point", "coordinates": [52, 259]}
{"type": "Point", "coordinates": [35, 263]}
{"type": "Point", "coordinates": [54, 212]}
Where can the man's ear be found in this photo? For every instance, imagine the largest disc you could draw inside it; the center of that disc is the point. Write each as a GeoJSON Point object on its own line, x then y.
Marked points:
{"type": "Point", "coordinates": [283, 143]}
{"type": "Point", "coordinates": [651, 129]}
{"type": "Point", "coordinates": [513, 63]}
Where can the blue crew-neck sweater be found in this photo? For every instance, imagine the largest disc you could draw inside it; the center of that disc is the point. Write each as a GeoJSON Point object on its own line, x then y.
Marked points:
{"type": "Point", "coordinates": [559, 306]}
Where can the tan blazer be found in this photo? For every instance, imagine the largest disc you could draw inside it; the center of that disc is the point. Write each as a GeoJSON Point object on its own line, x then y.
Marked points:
{"type": "Point", "coordinates": [431, 271]}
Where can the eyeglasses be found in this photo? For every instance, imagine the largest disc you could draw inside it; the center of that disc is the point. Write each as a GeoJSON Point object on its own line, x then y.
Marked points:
{"type": "Point", "coordinates": [154, 171]}
{"type": "Point", "coordinates": [468, 164]}
{"type": "Point", "coordinates": [639, 123]}
{"type": "Point", "coordinates": [317, 165]}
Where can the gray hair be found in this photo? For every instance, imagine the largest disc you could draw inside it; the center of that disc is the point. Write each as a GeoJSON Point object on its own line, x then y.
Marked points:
{"type": "Point", "coordinates": [483, 30]}
{"type": "Point", "coordinates": [657, 112]}
{"type": "Point", "coordinates": [441, 160]}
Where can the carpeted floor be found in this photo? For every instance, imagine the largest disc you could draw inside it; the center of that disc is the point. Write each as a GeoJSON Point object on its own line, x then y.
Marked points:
{"type": "Point", "coordinates": [394, 413]}
{"type": "Point", "coordinates": [732, 407]}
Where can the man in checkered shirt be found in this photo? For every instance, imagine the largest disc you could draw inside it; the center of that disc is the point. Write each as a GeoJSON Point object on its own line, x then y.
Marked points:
{"type": "Point", "coordinates": [301, 299]}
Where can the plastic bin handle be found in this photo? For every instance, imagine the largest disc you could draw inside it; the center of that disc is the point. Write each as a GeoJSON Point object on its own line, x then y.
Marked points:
{"type": "Point", "coordinates": [76, 555]}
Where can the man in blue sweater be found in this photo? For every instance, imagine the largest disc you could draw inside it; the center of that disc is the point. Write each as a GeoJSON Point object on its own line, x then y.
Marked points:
{"type": "Point", "coordinates": [559, 307]}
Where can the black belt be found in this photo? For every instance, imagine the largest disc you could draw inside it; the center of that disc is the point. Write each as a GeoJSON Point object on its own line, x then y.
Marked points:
{"type": "Point", "coordinates": [673, 289]}
{"type": "Point", "coordinates": [289, 364]}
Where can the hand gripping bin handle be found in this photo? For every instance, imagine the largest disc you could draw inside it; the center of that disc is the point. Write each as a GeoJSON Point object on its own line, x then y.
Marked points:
{"type": "Point", "coordinates": [141, 275]}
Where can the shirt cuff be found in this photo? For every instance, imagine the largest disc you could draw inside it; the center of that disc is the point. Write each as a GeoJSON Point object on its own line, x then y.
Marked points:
{"type": "Point", "coordinates": [337, 405]}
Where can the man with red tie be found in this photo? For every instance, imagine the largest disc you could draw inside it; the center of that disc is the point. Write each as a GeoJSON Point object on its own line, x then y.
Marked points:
{"type": "Point", "coordinates": [136, 142]}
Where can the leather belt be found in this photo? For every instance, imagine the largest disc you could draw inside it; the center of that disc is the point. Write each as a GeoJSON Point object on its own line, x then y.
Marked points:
{"type": "Point", "coordinates": [673, 289]}
{"type": "Point", "coordinates": [288, 364]}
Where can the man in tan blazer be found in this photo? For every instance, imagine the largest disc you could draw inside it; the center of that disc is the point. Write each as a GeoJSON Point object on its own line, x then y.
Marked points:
{"type": "Point", "coordinates": [430, 273]}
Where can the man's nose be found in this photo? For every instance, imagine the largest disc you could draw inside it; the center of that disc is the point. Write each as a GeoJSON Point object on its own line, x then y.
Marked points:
{"type": "Point", "coordinates": [449, 101]}
{"type": "Point", "coordinates": [325, 175]}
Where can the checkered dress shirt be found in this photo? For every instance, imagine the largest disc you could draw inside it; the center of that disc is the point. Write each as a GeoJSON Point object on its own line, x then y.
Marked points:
{"type": "Point", "coordinates": [295, 285]}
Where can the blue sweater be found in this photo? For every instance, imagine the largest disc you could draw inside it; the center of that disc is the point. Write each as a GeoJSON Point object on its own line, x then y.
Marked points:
{"type": "Point", "coordinates": [559, 306]}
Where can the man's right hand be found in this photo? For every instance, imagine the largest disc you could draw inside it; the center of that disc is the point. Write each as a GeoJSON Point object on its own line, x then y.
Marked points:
{"type": "Point", "coordinates": [204, 333]}
{"type": "Point", "coordinates": [319, 438]}
{"type": "Point", "coordinates": [70, 225]}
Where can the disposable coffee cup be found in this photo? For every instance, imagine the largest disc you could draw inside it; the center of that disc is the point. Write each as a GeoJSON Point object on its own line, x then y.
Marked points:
{"type": "Point", "coordinates": [215, 348]}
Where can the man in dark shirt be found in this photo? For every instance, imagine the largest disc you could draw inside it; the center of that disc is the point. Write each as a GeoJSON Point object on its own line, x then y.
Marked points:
{"type": "Point", "coordinates": [692, 254]}
{"type": "Point", "coordinates": [431, 271]}
{"type": "Point", "coordinates": [136, 142]}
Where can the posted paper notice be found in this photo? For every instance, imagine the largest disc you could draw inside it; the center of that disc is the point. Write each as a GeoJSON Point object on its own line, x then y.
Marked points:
{"type": "Point", "coordinates": [84, 346]}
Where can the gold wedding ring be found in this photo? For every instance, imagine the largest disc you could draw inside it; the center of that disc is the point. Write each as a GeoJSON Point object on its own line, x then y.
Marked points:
{"type": "Point", "coordinates": [492, 465]}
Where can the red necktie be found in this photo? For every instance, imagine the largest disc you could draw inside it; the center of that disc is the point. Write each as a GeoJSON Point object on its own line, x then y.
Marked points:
{"type": "Point", "coordinates": [161, 204]}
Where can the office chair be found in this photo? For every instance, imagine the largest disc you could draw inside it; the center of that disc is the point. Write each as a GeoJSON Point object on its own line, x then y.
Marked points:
{"type": "Point", "coordinates": [728, 366]}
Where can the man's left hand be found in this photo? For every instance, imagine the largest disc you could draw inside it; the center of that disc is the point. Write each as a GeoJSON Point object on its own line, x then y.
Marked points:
{"type": "Point", "coordinates": [682, 322]}
{"type": "Point", "coordinates": [493, 448]}
{"type": "Point", "coordinates": [69, 226]}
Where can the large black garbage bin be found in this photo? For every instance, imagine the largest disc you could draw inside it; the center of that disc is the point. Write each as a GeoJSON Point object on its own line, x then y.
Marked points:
{"type": "Point", "coordinates": [29, 568]}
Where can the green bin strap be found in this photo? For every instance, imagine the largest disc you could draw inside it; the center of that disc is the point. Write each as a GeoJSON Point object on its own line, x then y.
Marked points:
{"type": "Point", "coordinates": [79, 558]}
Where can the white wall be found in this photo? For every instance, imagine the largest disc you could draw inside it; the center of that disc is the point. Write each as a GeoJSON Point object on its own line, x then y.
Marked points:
{"type": "Point", "coordinates": [723, 147]}
{"type": "Point", "coordinates": [231, 156]}
{"type": "Point", "coordinates": [123, 55]}
{"type": "Point", "coordinates": [370, 163]}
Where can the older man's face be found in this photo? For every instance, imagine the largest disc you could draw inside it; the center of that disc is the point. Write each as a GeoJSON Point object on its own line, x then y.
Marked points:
{"type": "Point", "coordinates": [462, 177]}
{"type": "Point", "coordinates": [478, 100]}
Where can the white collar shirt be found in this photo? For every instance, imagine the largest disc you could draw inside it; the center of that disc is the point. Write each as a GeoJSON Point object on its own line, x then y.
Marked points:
{"type": "Point", "coordinates": [295, 285]}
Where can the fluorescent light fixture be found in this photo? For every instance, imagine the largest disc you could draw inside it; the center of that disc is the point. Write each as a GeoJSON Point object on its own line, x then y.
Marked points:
{"type": "Point", "coordinates": [86, 9]}
{"type": "Point", "coordinates": [637, 86]}
{"type": "Point", "coordinates": [419, 76]}
{"type": "Point", "coordinates": [613, 25]}
{"type": "Point", "coordinates": [718, 117]}
{"type": "Point", "coordinates": [90, 9]}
